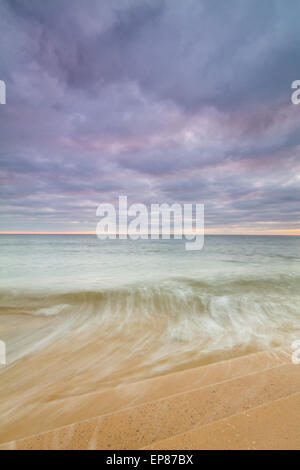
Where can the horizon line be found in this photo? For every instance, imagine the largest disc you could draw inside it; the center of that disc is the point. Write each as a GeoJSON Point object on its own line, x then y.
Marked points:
{"type": "Point", "coordinates": [279, 232]}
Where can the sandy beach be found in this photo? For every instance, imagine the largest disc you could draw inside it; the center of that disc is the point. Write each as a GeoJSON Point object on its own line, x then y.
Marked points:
{"type": "Point", "coordinates": [251, 402]}
{"type": "Point", "coordinates": [117, 335]}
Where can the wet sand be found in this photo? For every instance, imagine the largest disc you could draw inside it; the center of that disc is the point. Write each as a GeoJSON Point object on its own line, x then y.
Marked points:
{"type": "Point", "coordinates": [248, 402]}
{"type": "Point", "coordinates": [54, 384]}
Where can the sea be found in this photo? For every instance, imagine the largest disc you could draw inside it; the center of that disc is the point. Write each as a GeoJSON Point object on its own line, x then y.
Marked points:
{"type": "Point", "coordinates": [79, 314]}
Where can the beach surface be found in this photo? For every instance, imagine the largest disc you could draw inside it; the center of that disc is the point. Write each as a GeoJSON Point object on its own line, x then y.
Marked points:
{"type": "Point", "coordinates": [115, 334]}
{"type": "Point", "coordinates": [250, 402]}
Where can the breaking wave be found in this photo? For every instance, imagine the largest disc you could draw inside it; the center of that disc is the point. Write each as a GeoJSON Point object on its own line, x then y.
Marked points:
{"type": "Point", "coordinates": [201, 318]}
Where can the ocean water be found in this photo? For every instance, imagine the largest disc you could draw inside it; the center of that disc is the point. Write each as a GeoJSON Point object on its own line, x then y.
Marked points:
{"type": "Point", "coordinates": [79, 314]}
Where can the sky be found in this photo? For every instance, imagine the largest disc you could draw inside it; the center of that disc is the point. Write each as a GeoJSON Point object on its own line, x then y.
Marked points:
{"type": "Point", "coordinates": [164, 101]}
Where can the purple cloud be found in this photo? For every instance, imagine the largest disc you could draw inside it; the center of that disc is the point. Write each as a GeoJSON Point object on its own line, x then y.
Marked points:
{"type": "Point", "coordinates": [160, 100]}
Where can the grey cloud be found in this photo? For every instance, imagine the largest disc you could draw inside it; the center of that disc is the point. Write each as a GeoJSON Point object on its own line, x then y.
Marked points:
{"type": "Point", "coordinates": [156, 99]}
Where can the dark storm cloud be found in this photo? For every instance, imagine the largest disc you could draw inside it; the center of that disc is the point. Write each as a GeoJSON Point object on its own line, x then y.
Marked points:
{"type": "Point", "coordinates": [194, 53]}
{"type": "Point", "coordinates": [162, 100]}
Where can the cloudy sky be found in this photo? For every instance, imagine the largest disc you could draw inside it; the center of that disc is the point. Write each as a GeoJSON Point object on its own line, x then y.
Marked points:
{"type": "Point", "coordinates": [160, 100]}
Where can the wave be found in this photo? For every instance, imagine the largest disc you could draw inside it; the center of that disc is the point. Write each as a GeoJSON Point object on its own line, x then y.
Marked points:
{"type": "Point", "coordinates": [172, 297]}
{"type": "Point", "coordinates": [82, 341]}
{"type": "Point", "coordinates": [203, 316]}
